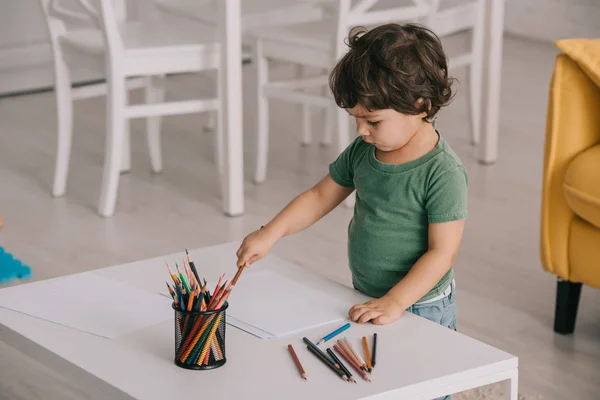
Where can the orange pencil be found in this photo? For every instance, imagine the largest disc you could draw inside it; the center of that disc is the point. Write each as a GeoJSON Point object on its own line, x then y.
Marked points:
{"type": "Point", "coordinates": [367, 354]}
{"type": "Point", "coordinates": [173, 276]}
{"type": "Point", "coordinates": [190, 301]}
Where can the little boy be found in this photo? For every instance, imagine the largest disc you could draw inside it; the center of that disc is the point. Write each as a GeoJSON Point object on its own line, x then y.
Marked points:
{"type": "Point", "coordinates": [411, 189]}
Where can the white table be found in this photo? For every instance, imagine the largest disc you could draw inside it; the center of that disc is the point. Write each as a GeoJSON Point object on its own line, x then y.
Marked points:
{"type": "Point", "coordinates": [416, 359]}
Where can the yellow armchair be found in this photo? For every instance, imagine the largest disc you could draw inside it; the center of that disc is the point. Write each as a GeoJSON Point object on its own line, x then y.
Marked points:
{"type": "Point", "coordinates": [570, 219]}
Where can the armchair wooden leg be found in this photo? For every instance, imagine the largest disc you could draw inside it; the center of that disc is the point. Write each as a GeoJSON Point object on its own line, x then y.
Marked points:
{"type": "Point", "coordinates": [567, 300]}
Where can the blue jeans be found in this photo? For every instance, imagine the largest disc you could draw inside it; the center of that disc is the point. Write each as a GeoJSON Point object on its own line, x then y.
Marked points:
{"type": "Point", "coordinates": [441, 312]}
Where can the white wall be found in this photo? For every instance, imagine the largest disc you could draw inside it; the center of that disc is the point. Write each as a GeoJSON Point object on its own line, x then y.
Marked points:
{"type": "Point", "coordinates": [24, 52]}
{"type": "Point", "coordinates": [550, 20]}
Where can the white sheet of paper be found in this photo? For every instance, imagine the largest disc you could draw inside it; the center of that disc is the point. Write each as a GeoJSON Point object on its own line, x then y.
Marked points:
{"type": "Point", "coordinates": [89, 302]}
{"type": "Point", "coordinates": [238, 324]}
{"type": "Point", "coordinates": [275, 304]}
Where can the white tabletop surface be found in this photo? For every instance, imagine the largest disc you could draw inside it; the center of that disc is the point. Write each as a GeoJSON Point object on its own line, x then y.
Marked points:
{"type": "Point", "coordinates": [413, 355]}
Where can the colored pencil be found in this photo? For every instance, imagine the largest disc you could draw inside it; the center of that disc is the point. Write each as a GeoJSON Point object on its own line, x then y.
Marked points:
{"type": "Point", "coordinates": [237, 276]}
{"type": "Point", "coordinates": [192, 265]}
{"type": "Point", "coordinates": [334, 333]}
{"type": "Point", "coordinates": [374, 355]}
{"type": "Point", "coordinates": [361, 362]}
{"type": "Point", "coordinates": [190, 294]}
{"type": "Point", "coordinates": [339, 362]}
{"type": "Point", "coordinates": [347, 350]}
{"type": "Point", "coordinates": [297, 362]}
{"type": "Point", "coordinates": [351, 361]}
{"type": "Point", "coordinates": [367, 355]}
{"type": "Point", "coordinates": [319, 353]}
{"type": "Point", "coordinates": [328, 362]}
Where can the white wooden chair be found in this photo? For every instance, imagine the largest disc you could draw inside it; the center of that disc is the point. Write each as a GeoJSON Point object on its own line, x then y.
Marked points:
{"type": "Point", "coordinates": [130, 54]}
{"type": "Point", "coordinates": [321, 45]}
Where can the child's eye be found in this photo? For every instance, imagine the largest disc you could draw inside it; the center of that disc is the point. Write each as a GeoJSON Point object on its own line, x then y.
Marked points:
{"type": "Point", "coordinates": [373, 123]}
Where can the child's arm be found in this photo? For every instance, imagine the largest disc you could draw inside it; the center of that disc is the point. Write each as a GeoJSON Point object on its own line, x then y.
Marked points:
{"type": "Point", "coordinates": [299, 214]}
{"type": "Point", "coordinates": [444, 241]}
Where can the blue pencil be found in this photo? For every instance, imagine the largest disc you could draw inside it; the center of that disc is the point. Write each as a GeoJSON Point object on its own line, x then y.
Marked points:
{"type": "Point", "coordinates": [334, 333]}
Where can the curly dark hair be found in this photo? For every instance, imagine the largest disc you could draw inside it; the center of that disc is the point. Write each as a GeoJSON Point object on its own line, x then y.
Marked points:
{"type": "Point", "coordinates": [402, 67]}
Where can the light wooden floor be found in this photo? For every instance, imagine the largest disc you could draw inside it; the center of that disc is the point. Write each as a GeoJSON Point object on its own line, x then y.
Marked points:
{"type": "Point", "coordinates": [504, 297]}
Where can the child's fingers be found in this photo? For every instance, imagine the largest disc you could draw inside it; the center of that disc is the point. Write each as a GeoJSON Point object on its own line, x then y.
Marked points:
{"type": "Point", "coordinates": [243, 258]}
{"type": "Point", "coordinates": [252, 260]}
{"type": "Point", "coordinates": [368, 316]}
{"type": "Point", "coordinates": [357, 311]}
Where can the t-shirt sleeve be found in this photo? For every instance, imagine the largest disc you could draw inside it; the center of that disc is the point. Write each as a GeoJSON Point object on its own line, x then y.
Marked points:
{"type": "Point", "coordinates": [447, 197]}
{"type": "Point", "coordinates": [342, 169]}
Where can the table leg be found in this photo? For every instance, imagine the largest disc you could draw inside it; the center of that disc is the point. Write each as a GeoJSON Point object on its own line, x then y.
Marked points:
{"type": "Point", "coordinates": [230, 115]}
{"type": "Point", "coordinates": [511, 387]}
{"type": "Point", "coordinates": [492, 67]}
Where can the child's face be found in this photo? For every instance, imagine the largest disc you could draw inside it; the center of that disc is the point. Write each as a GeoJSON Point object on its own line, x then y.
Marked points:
{"type": "Point", "coordinates": [387, 129]}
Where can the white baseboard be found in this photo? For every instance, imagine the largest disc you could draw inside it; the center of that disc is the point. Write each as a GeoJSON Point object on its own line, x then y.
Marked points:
{"type": "Point", "coordinates": [29, 67]}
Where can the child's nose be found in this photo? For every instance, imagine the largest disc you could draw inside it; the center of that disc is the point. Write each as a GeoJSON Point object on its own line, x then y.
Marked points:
{"type": "Point", "coordinates": [362, 129]}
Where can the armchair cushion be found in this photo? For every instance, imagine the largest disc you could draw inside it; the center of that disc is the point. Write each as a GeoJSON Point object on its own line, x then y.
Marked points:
{"type": "Point", "coordinates": [586, 53]}
{"type": "Point", "coordinates": [582, 185]}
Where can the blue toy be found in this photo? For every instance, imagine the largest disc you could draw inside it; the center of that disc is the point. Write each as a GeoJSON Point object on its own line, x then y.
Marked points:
{"type": "Point", "coordinates": [11, 268]}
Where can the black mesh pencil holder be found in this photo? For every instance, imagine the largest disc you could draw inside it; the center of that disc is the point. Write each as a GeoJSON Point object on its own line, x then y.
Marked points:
{"type": "Point", "coordinates": [200, 338]}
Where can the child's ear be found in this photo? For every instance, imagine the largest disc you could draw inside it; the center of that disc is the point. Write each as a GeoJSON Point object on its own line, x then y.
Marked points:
{"type": "Point", "coordinates": [419, 105]}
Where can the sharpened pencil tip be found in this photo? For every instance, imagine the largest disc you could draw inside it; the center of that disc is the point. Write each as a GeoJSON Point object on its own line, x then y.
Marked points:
{"type": "Point", "coordinates": [186, 252]}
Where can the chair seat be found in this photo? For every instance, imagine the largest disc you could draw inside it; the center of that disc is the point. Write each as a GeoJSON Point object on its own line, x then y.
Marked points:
{"type": "Point", "coordinates": [145, 36]}
{"type": "Point", "coordinates": [151, 48]}
{"type": "Point", "coordinates": [582, 185]}
{"type": "Point", "coordinates": [254, 13]}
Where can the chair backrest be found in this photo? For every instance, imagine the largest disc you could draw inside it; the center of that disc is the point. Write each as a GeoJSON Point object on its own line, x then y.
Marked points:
{"type": "Point", "coordinates": [64, 16]}
{"type": "Point", "coordinates": [364, 12]}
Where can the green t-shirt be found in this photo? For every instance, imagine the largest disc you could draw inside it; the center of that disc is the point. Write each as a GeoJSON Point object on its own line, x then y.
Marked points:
{"type": "Point", "coordinates": [394, 206]}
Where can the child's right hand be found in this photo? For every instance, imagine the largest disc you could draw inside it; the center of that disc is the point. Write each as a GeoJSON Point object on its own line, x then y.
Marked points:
{"type": "Point", "coordinates": [254, 247]}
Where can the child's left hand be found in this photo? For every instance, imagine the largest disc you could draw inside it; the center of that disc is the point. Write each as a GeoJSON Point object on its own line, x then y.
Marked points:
{"type": "Point", "coordinates": [379, 311]}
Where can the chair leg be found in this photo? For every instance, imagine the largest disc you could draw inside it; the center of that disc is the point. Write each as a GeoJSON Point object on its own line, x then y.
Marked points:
{"type": "Point", "coordinates": [64, 106]}
{"type": "Point", "coordinates": [306, 125]}
{"type": "Point", "coordinates": [113, 153]}
{"type": "Point", "coordinates": [476, 72]}
{"type": "Point", "coordinates": [155, 93]}
{"type": "Point", "coordinates": [211, 123]}
{"type": "Point", "coordinates": [306, 111]}
{"type": "Point", "coordinates": [126, 155]}
{"type": "Point", "coordinates": [329, 125]}
{"type": "Point", "coordinates": [219, 139]}
{"type": "Point", "coordinates": [567, 301]}
{"type": "Point", "coordinates": [262, 118]}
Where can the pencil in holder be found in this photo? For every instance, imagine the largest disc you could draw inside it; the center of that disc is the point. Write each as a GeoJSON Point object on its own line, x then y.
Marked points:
{"type": "Point", "coordinates": [200, 338]}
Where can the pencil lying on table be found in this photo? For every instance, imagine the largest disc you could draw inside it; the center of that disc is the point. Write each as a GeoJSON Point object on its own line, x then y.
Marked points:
{"type": "Point", "coordinates": [374, 350]}
{"type": "Point", "coordinates": [337, 362]}
{"type": "Point", "coordinates": [351, 361]}
{"type": "Point", "coordinates": [297, 362]}
{"type": "Point", "coordinates": [334, 333]}
{"type": "Point", "coordinates": [367, 355]}
{"type": "Point", "coordinates": [344, 346]}
{"type": "Point", "coordinates": [323, 357]}
{"type": "Point", "coordinates": [361, 362]}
